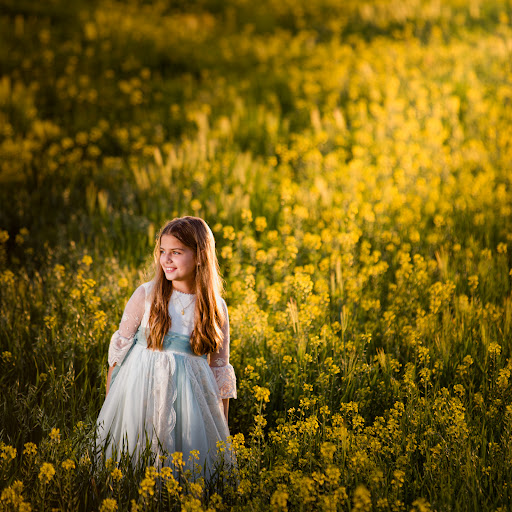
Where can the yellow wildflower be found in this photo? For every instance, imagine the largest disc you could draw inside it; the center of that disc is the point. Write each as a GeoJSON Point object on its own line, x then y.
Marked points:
{"type": "Point", "coordinates": [59, 271]}
{"type": "Point", "coordinates": [279, 500]}
{"type": "Point", "coordinates": [116, 474]}
{"type": "Point", "coordinates": [229, 233]}
{"type": "Point", "coordinates": [177, 459]}
{"type": "Point", "coordinates": [494, 349]}
{"type": "Point", "coordinates": [151, 472]}
{"type": "Point", "coordinates": [74, 294]}
{"type": "Point", "coordinates": [8, 453]}
{"type": "Point", "coordinates": [87, 260]}
{"type": "Point", "coordinates": [50, 321]}
{"type": "Point", "coordinates": [399, 478]}
{"type": "Point", "coordinates": [261, 394]}
{"type": "Point", "coordinates": [6, 356]}
{"type": "Point", "coordinates": [46, 473]}
{"type": "Point", "coordinates": [12, 495]}
{"type": "Point", "coordinates": [246, 216]}
{"type": "Point", "coordinates": [327, 450]}
{"type": "Point", "coordinates": [260, 223]}
{"type": "Point", "coordinates": [244, 486]}
{"type": "Point", "coordinates": [79, 426]}
{"type": "Point", "coordinates": [324, 410]}
{"type": "Point", "coordinates": [108, 505]}
{"type": "Point", "coordinates": [421, 505]}
{"type": "Point", "coordinates": [195, 205]}
{"type": "Point", "coordinates": [7, 277]}
{"type": "Point", "coordinates": [362, 500]}
{"type": "Point", "coordinates": [172, 485]}
{"type": "Point", "coordinates": [30, 449]}
{"type": "Point", "coordinates": [68, 465]}
{"type": "Point", "coordinates": [473, 283]}
{"type": "Point", "coordinates": [333, 474]}
{"type": "Point", "coordinates": [191, 504]}
{"type": "Point", "coordinates": [147, 487]}
{"type": "Point", "coordinates": [196, 489]}
{"type": "Point", "coordinates": [261, 256]}
{"type": "Point", "coordinates": [100, 320]}
{"type": "Point", "coordinates": [166, 472]}
{"type": "Point", "coordinates": [55, 435]}
{"type": "Point", "coordinates": [221, 446]}
{"type": "Point", "coordinates": [226, 252]}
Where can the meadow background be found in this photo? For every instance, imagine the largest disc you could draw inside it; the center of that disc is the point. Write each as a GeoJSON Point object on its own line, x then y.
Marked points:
{"type": "Point", "coordinates": [354, 162]}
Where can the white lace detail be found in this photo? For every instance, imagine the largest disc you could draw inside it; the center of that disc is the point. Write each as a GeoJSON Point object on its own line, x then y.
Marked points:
{"type": "Point", "coordinates": [148, 287]}
{"type": "Point", "coordinates": [219, 363]}
{"type": "Point", "coordinates": [118, 348]}
{"type": "Point", "coordinates": [209, 402]}
{"type": "Point", "coordinates": [226, 380]}
{"type": "Point", "coordinates": [162, 411]}
{"type": "Point", "coordinates": [128, 319]}
{"type": "Point", "coordinates": [122, 339]}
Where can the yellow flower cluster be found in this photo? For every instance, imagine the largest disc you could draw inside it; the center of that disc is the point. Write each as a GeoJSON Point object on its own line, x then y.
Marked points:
{"type": "Point", "coordinates": [108, 505]}
{"type": "Point", "coordinates": [30, 449]}
{"type": "Point", "coordinates": [55, 435]}
{"type": "Point", "coordinates": [68, 465]}
{"type": "Point", "coordinates": [7, 453]}
{"type": "Point", "coordinates": [12, 498]}
{"type": "Point", "coordinates": [46, 473]}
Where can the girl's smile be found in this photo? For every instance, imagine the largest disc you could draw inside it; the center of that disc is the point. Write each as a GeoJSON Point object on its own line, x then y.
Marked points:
{"type": "Point", "coordinates": [178, 262]}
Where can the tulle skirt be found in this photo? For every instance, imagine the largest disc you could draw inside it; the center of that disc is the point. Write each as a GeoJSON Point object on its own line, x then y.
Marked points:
{"type": "Point", "coordinates": [167, 400]}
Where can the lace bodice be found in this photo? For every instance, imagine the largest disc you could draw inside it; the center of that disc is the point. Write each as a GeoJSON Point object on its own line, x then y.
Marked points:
{"type": "Point", "coordinates": [182, 323]}
{"type": "Point", "coordinates": [136, 313]}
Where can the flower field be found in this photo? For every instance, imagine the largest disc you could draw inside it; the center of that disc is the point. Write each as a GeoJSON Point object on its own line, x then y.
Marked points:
{"type": "Point", "coordinates": [354, 162]}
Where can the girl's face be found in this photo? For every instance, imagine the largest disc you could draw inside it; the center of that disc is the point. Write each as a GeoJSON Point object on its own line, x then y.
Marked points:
{"type": "Point", "coordinates": [178, 262]}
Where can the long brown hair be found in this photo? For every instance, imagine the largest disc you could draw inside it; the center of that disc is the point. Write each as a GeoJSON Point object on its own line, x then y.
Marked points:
{"type": "Point", "coordinates": [209, 315]}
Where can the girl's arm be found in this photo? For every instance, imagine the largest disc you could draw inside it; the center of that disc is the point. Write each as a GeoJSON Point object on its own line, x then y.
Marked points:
{"type": "Point", "coordinates": [122, 340]}
{"type": "Point", "coordinates": [225, 403]}
{"type": "Point", "coordinates": [222, 370]}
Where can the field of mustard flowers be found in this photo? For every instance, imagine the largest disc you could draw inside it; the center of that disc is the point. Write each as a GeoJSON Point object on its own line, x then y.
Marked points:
{"type": "Point", "coordinates": [353, 159]}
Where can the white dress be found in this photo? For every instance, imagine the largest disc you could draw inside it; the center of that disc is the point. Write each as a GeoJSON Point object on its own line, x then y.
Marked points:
{"type": "Point", "coordinates": [171, 399]}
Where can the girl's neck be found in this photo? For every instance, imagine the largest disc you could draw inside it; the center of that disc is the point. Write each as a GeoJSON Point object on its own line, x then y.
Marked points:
{"type": "Point", "coordinates": [183, 287]}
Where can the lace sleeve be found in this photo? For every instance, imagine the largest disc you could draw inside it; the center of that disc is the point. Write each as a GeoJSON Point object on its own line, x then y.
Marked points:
{"type": "Point", "coordinates": [219, 363]}
{"type": "Point", "coordinates": [122, 339]}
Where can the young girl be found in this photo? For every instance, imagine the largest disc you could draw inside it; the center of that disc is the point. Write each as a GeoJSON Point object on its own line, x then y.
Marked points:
{"type": "Point", "coordinates": [170, 380]}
